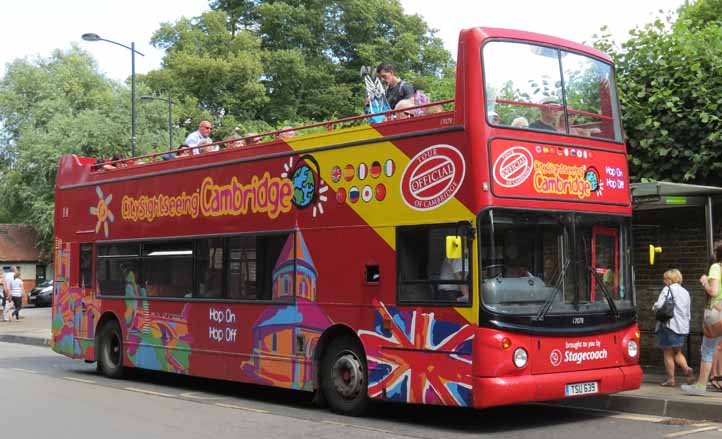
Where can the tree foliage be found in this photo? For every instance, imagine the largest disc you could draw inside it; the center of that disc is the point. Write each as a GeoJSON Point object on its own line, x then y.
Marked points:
{"type": "Point", "coordinates": [56, 106]}
{"type": "Point", "coordinates": [295, 59]}
{"type": "Point", "coordinates": [670, 78]}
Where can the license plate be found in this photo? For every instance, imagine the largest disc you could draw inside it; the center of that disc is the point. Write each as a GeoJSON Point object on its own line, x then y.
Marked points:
{"type": "Point", "coordinates": [581, 388]}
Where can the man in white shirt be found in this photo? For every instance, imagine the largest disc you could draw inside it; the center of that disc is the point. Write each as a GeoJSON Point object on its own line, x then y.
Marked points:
{"type": "Point", "coordinates": [201, 136]}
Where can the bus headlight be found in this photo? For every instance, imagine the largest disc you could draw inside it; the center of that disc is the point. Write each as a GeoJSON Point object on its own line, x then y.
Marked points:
{"type": "Point", "coordinates": [632, 348]}
{"type": "Point", "coordinates": [520, 357]}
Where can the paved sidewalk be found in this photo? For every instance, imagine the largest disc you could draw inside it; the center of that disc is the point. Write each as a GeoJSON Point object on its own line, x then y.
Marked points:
{"type": "Point", "coordinates": [651, 399]}
{"type": "Point", "coordinates": [32, 328]}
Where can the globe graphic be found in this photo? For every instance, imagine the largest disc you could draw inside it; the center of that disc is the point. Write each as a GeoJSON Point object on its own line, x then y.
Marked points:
{"type": "Point", "coordinates": [304, 186]}
{"type": "Point", "coordinates": [593, 179]}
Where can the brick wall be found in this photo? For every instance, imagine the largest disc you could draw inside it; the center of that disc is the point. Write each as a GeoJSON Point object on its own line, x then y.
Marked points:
{"type": "Point", "coordinates": [681, 234]}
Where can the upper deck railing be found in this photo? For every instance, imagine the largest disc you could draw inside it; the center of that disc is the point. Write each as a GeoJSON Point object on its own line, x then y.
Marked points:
{"type": "Point", "coordinates": [256, 140]}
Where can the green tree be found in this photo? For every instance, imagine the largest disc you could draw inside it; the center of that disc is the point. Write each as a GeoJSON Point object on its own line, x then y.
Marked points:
{"type": "Point", "coordinates": [56, 106]}
{"type": "Point", "coordinates": [297, 59]}
{"type": "Point", "coordinates": [670, 80]}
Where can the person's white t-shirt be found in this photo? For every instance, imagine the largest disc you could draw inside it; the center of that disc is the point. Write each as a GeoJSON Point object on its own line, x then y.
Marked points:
{"type": "Point", "coordinates": [16, 288]}
{"type": "Point", "coordinates": [8, 278]}
{"type": "Point", "coordinates": [451, 269]}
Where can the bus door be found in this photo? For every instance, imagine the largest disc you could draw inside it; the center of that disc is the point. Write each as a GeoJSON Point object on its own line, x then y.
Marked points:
{"type": "Point", "coordinates": [605, 262]}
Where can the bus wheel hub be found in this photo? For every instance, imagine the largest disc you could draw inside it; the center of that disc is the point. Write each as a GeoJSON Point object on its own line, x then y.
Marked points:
{"type": "Point", "coordinates": [348, 377]}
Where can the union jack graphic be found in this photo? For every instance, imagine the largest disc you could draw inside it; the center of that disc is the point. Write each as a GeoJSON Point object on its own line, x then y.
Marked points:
{"type": "Point", "coordinates": [420, 359]}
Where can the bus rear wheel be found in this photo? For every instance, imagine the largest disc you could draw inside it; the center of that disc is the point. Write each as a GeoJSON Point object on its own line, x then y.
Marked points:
{"type": "Point", "coordinates": [110, 351]}
{"type": "Point", "coordinates": [344, 377]}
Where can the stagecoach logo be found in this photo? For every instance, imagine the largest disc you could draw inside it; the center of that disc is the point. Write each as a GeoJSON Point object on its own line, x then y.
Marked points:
{"type": "Point", "coordinates": [555, 357]}
{"type": "Point", "coordinates": [513, 167]}
{"type": "Point", "coordinates": [432, 177]}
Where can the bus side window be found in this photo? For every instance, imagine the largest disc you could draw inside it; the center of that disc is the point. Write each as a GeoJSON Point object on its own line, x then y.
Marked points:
{"type": "Point", "coordinates": [209, 267]}
{"type": "Point", "coordinates": [251, 264]}
{"type": "Point", "coordinates": [86, 265]}
{"type": "Point", "coordinates": [424, 273]}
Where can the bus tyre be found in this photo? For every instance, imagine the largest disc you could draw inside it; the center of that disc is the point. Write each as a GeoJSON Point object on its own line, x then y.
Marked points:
{"type": "Point", "coordinates": [344, 377]}
{"type": "Point", "coordinates": [110, 351]}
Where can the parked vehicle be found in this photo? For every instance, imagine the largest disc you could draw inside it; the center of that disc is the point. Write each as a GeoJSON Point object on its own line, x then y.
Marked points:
{"type": "Point", "coordinates": [42, 294]}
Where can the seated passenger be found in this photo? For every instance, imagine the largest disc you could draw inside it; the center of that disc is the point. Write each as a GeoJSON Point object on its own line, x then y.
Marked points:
{"type": "Point", "coordinates": [235, 141]}
{"type": "Point", "coordinates": [581, 131]}
{"type": "Point", "coordinates": [203, 133]}
{"type": "Point", "coordinates": [520, 122]}
{"type": "Point", "coordinates": [434, 109]}
{"type": "Point", "coordinates": [287, 133]}
{"type": "Point", "coordinates": [403, 105]}
{"type": "Point", "coordinates": [550, 112]}
{"type": "Point", "coordinates": [252, 138]}
{"type": "Point", "coordinates": [494, 118]}
{"type": "Point", "coordinates": [183, 151]}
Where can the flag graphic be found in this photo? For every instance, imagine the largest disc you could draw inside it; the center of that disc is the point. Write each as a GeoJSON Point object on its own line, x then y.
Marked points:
{"type": "Point", "coordinates": [367, 193]}
{"type": "Point", "coordinates": [380, 192]}
{"type": "Point", "coordinates": [341, 195]}
{"type": "Point", "coordinates": [375, 169]}
{"type": "Point", "coordinates": [335, 174]}
{"type": "Point", "coordinates": [363, 171]}
{"type": "Point", "coordinates": [389, 168]}
{"type": "Point", "coordinates": [353, 194]}
{"type": "Point", "coordinates": [398, 358]}
{"type": "Point", "coordinates": [348, 172]}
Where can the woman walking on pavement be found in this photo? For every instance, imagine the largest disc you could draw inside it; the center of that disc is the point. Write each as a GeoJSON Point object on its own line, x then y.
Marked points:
{"type": "Point", "coordinates": [672, 333]}
{"type": "Point", "coordinates": [16, 290]}
{"type": "Point", "coordinates": [711, 285]}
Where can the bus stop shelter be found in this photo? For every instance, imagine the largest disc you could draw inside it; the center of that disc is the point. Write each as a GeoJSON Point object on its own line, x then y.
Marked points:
{"type": "Point", "coordinates": [684, 220]}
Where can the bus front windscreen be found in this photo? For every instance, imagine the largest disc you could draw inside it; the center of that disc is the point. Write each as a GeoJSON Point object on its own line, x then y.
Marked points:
{"type": "Point", "coordinates": [546, 263]}
{"type": "Point", "coordinates": [542, 88]}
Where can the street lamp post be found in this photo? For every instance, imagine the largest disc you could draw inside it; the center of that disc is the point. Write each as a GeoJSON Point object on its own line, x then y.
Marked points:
{"type": "Point", "coordinates": [95, 37]}
{"type": "Point", "coordinates": [170, 113]}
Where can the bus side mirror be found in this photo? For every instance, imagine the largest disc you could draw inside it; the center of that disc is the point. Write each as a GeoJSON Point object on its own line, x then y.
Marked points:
{"type": "Point", "coordinates": [453, 247]}
{"type": "Point", "coordinates": [652, 251]}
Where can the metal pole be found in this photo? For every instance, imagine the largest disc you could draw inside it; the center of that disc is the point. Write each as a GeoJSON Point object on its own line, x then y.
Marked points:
{"type": "Point", "coordinates": [132, 99]}
{"type": "Point", "coordinates": [170, 127]}
{"type": "Point", "coordinates": [709, 228]}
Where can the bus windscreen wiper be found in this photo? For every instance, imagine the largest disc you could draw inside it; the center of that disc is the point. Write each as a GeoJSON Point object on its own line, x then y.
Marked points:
{"type": "Point", "coordinates": [605, 291]}
{"type": "Point", "coordinates": [558, 286]}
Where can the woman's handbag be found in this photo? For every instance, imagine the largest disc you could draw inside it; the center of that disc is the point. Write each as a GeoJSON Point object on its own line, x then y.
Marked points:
{"type": "Point", "coordinates": [712, 326]}
{"type": "Point", "coordinates": [666, 311]}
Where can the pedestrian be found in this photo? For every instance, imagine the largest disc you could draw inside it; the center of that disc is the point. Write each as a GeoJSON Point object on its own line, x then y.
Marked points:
{"type": "Point", "coordinates": [2, 298]}
{"type": "Point", "coordinates": [16, 292]}
{"type": "Point", "coordinates": [672, 333]}
{"type": "Point", "coordinates": [715, 379]}
{"type": "Point", "coordinates": [711, 284]}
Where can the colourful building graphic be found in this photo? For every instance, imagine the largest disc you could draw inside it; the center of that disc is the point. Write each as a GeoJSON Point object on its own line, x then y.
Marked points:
{"type": "Point", "coordinates": [156, 340]}
{"type": "Point", "coordinates": [428, 360]}
{"type": "Point", "coordinates": [284, 337]}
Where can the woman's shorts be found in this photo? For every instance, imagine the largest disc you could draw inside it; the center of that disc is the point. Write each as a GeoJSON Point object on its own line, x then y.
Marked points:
{"type": "Point", "coordinates": [669, 338]}
{"type": "Point", "coordinates": [708, 348]}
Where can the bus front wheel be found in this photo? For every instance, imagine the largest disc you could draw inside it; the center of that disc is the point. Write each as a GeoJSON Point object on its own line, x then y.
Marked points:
{"type": "Point", "coordinates": [110, 351]}
{"type": "Point", "coordinates": [344, 377]}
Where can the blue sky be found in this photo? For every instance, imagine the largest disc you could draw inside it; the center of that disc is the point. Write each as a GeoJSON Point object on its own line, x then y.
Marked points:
{"type": "Point", "coordinates": [36, 28]}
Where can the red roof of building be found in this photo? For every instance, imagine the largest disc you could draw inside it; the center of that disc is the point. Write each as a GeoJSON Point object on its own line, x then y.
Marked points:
{"type": "Point", "coordinates": [17, 243]}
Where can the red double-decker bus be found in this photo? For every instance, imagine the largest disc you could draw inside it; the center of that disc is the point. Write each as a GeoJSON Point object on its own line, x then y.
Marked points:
{"type": "Point", "coordinates": [477, 256]}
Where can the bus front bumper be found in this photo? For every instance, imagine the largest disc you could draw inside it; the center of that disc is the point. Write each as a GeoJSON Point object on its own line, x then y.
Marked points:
{"type": "Point", "coordinates": [495, 391]}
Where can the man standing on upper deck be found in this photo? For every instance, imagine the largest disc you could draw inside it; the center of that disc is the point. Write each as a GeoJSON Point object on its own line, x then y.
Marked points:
{"type": "Point", "coordinates": [202, 135]}
{"type": "Point", "coordinates": [396, 89]}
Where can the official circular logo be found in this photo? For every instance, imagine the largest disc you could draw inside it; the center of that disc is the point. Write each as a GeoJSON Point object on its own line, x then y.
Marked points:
{"type": "Point", "coordinates": [555, 358]}
{"type": "Point", "coordinates": [513, 167]}
{"type": "Point", "coordinates": [432, 177]}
